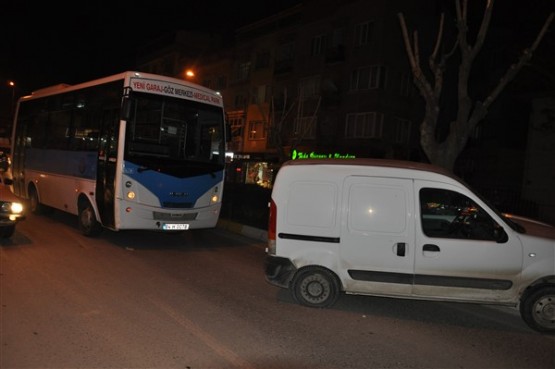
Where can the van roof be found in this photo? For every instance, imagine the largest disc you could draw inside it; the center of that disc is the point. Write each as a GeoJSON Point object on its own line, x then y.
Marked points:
{"type": "Point", "coordinates": [403, 164]}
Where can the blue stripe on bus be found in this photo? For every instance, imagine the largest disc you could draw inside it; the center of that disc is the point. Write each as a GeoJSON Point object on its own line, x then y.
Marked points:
{"type": "Point", "coordinates": [170, 189]}
{"type": "Point", "coordinates": [81, 164]}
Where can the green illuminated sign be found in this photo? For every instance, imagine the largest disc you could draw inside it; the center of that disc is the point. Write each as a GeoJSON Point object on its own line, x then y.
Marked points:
{"type": "Point", "coordinates": [297, 155]}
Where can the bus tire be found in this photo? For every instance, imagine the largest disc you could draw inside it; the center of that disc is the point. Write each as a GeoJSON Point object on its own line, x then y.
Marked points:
{"type": "Point", "coordinates": [34, 203]}
{"type": "Point", "coordinates": [88, 224]}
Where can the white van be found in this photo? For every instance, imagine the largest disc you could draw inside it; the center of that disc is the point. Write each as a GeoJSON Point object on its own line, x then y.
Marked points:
{"type": "Point", "coordinates": [403, 229]}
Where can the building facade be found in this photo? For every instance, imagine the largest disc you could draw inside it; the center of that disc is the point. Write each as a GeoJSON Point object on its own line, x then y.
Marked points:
{"type": "Point", "coordinates": [331, 78]}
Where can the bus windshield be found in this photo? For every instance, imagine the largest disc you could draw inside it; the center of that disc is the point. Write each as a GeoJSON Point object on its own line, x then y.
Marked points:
{"type": "Point", "coordinates": [180, 131]}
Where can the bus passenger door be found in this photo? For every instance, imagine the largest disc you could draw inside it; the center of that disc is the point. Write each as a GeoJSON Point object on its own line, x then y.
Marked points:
{"type": "Point", "coordinates": [106, 172]}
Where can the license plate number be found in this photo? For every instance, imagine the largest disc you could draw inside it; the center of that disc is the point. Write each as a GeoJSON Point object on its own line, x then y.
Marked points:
{"type": "Point", "coordinates": [175, 227]}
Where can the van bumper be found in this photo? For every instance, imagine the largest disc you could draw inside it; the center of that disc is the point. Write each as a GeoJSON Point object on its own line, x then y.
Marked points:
{"type": "Point", "coordinates": [279, 271]}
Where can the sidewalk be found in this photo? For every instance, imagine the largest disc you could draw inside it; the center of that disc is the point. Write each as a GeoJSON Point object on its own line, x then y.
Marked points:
{"type": "Point", "coordinates": [248, 231]}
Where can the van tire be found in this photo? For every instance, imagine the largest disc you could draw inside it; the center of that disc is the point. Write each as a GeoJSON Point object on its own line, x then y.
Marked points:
{"type": "Point", "coordinates": [315, 287]}
{"type": "Point", "coordinates": [537, 309]}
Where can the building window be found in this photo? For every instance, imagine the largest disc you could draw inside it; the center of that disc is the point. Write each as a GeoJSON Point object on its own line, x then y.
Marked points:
{"type": "Point", "coordinates": [260, 173]}
{"type": "Point", "coordinates": [406, 87]}
{"type": "Point", "coordinates": [236, 124]}
{"type": "Point", "coordinates": [262, 60]}
{"type": "Point", "coordinates": [284, 52]}
{"type": "Point", "coordinates": [221, 83]}
{"type": "Point", "coordinates": [363, 33]}
{"type": "Point", "coordinates": [335, 50]}
{"type": "Point", "coordinates": [256, 130]}
{"type": "Point", "coordinates": [309, 87]}
{"type": "Point", "coordinates": [284, 58]}
{"type": "Point", "coordinates": [242, 71]}
{"type": "Point", "coordinates": [305, 127]}
{"type": "Point", "coordinates": [207, 83]}
{"type": "Point", "coordinates": [402, 130]}
{"type": "Point", "coordinates": [366, 78]}
{"type": "Point", "coordinates": [240, 102]}
{"type": "Point", "coordinates": [260, 94]}
{"type": "Point", "coordinates": [317, 45]}
{"type": "Point", "coordinates": [364, 125]}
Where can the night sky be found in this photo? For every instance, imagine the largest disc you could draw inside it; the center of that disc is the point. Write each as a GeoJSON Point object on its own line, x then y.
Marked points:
{"type": "Point", "coordinates": [45, 44]}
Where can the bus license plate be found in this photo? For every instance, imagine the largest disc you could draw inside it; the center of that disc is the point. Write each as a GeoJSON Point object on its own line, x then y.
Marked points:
{"type": "Point", "coordinates": [175, 227]}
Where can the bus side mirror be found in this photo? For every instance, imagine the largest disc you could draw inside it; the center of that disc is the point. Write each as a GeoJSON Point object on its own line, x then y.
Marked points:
{"type": "Point", "coordinates": [125, 109]}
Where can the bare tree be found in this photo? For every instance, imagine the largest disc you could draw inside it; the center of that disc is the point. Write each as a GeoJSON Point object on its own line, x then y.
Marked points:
{"type": "Point", "coordinates": [470, 113]}
{"type": "Point", "coordinates": [279, 119]}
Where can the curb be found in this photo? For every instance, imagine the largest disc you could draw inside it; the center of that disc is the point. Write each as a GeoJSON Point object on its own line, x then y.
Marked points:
{"type": "Point", "coordinates": [248, 231]}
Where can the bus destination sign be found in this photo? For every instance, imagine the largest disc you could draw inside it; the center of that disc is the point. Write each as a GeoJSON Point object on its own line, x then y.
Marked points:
{"type": "Point", "coordinates": [175, 90]}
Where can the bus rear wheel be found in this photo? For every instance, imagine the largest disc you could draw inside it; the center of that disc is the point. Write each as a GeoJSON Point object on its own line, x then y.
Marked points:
{"type": "Point", "coordinates": [88, 224]}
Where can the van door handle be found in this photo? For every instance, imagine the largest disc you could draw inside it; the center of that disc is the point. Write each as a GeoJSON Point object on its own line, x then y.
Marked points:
{"type": "Point", "coordinates": [430, 247]}
{"type": "Point", "coordinates": [401, 248]}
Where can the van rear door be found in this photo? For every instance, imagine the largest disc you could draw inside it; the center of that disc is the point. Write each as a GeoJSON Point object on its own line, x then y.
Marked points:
{"type": "Point", "coordinates": [377, 237]}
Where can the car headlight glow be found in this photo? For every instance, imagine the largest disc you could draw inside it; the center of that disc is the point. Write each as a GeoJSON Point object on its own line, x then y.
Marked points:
{"type": "Point", "coordinates": [17, 207]}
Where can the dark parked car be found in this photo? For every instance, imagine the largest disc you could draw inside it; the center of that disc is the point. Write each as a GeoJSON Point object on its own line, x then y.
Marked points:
{"type": "Point", "coordinates": [11, 208]}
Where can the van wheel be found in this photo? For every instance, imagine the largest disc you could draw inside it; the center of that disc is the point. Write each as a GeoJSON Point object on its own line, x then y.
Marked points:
{"type": "Point", "coordinates": [538, 310]}
{"type": "Point", "coordinates": [315, 287]}
{"type": "Point", "coordinates": [88, 224]}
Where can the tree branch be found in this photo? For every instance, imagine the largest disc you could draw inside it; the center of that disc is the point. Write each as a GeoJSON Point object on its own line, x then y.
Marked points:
{"type": "Point", "coordinates": [515, 68]}
{"type": "Point", "coordinates": [483, 29]}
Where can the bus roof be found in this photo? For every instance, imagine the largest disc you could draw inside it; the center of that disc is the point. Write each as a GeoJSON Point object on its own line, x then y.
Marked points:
{"type": "Point", "coordinates": [161, 85]}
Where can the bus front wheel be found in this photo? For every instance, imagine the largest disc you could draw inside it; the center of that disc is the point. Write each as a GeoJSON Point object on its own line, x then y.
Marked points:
{"type": "Point", "coordinates": [88, 224]}
{"type": "Point", "coordinates": [35, 204]}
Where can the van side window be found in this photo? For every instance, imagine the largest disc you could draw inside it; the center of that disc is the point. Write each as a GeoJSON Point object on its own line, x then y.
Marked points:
{"type": "Point", "coordinates": [449, 214]}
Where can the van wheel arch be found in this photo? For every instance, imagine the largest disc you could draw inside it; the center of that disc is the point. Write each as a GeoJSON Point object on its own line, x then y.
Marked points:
{"type": "Point", "coordinates": [315, 286]}
{"type": "Point", "coordinates": [537, 307]}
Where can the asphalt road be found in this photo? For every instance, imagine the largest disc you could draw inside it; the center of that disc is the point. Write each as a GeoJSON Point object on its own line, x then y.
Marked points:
{"type": "Point", "coordinates": [199, 300]}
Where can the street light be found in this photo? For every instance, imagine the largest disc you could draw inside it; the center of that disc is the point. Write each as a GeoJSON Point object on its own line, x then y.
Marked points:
{"type": "Point", "coordinates": [12, 85]}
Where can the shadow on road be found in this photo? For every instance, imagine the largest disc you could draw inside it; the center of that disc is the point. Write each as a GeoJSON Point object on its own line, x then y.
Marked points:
{"type": "Point", "coordinates": [465, 315]}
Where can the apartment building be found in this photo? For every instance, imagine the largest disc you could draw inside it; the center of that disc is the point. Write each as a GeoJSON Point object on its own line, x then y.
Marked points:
{"type": "Point", "coordinates": [318, 79]}
{"type": "Point", "coordinates": [331, 78]}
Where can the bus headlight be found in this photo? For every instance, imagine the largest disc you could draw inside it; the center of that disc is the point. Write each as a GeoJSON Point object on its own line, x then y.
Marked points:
{"type": "Point", "coordinates": [131, 195]}
{"type": "Point", "coordinates": [214, 199]}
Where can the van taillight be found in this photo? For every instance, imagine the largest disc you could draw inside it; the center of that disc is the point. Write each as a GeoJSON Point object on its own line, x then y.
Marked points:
{"type": "Point", "coordinates": [272, 227]}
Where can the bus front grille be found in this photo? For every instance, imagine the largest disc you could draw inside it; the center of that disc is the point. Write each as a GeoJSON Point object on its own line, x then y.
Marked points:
{"type": "Point", "coordinates": [156, 215]}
